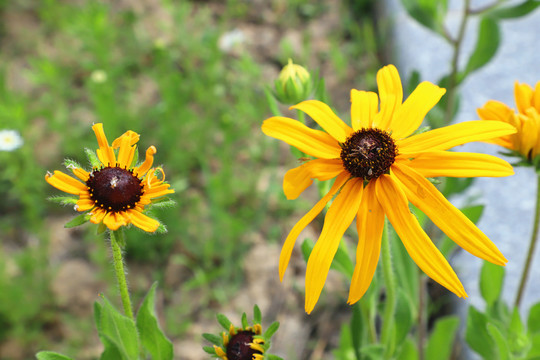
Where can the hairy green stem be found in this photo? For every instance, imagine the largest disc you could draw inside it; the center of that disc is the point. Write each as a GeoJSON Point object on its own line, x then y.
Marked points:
{"type": "Point", "coordinates": [390, 300]}
{"type": "Point", "coordinates": [117, 239]}
{"type": "Point", "coordinates": [532, 246]}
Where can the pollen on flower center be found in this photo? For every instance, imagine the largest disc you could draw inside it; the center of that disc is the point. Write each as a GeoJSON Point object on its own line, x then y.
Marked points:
{"type": "Point", "coordinates": [114, 188]}
{"type": "Point", "coordinates": [239, 347]}
{"type": "Point", "coordinates": [368, 153]}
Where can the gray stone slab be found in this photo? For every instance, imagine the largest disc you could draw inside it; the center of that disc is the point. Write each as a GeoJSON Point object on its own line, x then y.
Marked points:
{"type": "Point", "coordinates": [509, 202]}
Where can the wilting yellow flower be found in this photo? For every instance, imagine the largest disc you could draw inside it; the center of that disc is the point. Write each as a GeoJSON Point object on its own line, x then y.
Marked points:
{"type": "Point", "coordinates": [117, 192]}
{"type": "Point", "coordinates": [379, 168]}
{"type": "Point", "coordinates": [526, 121]}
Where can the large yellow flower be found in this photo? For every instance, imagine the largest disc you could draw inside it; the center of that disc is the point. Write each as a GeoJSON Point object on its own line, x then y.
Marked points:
{"type": "Point", "coordinates": [526, 121]}
{"type": "Point", "coordinates": [117, 192]}
{"type": "Point", "coordinates": [379, 167]}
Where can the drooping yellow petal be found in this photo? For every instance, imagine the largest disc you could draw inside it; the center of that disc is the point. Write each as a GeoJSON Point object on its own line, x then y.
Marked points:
{"type": "Point", "coordinates": [142, 221]}
{"type": "Point", "coordinates": [391, 95]}
{"type": "Point", "coordinates": [147, 164]}
{"type": "Point", "coordinates": [133, 139]}
{"type": "Point", "coordinates": [312, 142]}
{"type": "Point", "coordinates": [339, 217]}
{"type": "Point", "coordinates": [449, 136]}
{"type": "Point", "coordinates": [66, 183]}
{"type": "Point", "coordinates": [364, 107]}
{"type": "Point", "coordinates": [325, 117]}
{"type": "Point", "coordinates": [411, 114]}
{"type": "Point", "coordinates": [113, 220]}
{"type": "Point", "coordinates": [369, 223]}
{"type": "Point", "coordinates": [288, 245]}
{"type": "Point", "coordinates": [425, 196]}
{"type": "Point", "coordinates": [105, 152]}
{"type": "Point", "coordinates": [420, 248]}
{"type": "Point", "coordinates": [524, 96]}
{"type": "Point", "coordinates": [457, 164]}
{"type": "Point", "coordinates": [300, 178]}
{"type": "Point", "coordinates": [80, 173]}
{"type": "Point", "coordinates": [157, 191]}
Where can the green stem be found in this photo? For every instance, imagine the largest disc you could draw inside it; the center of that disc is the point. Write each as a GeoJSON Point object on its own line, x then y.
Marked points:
{"type": "Point", "coordinates": [390, 300]}
{"type": "Point", "coordinates": [453, 80]}
{"type": "Point", "coordinates": [117, 239]}
{"type": "Point", "coordinates": [532, 245]}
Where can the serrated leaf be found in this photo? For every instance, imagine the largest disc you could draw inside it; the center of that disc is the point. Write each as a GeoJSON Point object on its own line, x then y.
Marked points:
{"type": "Point", "coordinates": [477, 335]}
{"type": "Point", "coordinates": [491, 282]}
{"type": "Point", "coordinates": [511, 12]}
{"type": "Point", "coordinates": [50, 355]}
{"type": "Point", "coordinates": [486, 45]}
{"type": "Point", "coordinates": [71, 164]}
{"type": "Point", "coordinates": [165, 203]}
{"type": "Point", "coordinates": [440, 342]}
{"type": "Point", "coordinates": [78, 220]}
{"type": "Point", "coordinates": [152, 337]}
{"type": "Point", "coordinates": [118, 330]}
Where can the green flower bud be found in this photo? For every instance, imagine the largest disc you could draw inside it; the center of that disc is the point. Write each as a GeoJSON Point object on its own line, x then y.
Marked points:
{"type": "Point", "coordinates": [293, 85]}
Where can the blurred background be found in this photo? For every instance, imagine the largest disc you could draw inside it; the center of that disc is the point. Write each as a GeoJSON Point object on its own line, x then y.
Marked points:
{"type": "Point", "coordinates": [190, 77]}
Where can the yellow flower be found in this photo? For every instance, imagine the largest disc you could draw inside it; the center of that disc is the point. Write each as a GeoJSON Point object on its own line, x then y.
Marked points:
{"type": "Point", "coordinates": [379, 167]}
{"type": "Point", "coordinates": [117, 192]}
{"type": "Point", "coordinates": [526, 121]}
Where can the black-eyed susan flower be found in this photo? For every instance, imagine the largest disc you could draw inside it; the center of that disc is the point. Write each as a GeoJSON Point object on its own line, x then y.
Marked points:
{"type": "Point", "coordinates": [242, 343]}
{"type": "Point", "coordinates": [115, 192]}
{"type": "Point", "coordinates": [526, 141]}
{"type": "Point", "coordinates": [380, 166]}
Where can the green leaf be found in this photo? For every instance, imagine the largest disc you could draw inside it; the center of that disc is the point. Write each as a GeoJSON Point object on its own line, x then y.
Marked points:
{"type": "Point", "coordinates": [92, 158]}
{"type": "Point", "coordinates": [50, 355]}
{"type": "Point", "coordinates": [257, 315]}
{"type": "Point", "coordinates": [357, 329]}
{"type": "Point", "coordinates": [71, 164]}
{"type": "Point", "coordinates": [421, 11]}
{"type": "Point", "coordinates": [344, 350]}
{"type": "Point", "coordinates": [491, 282]}
{"type": "Point", "coordinates": [408, 351]}
{"type": "Point", "coordinates": [271, 330]}
{"type": "Point", "coordinates": [63, 200]}
{"type": "Point", "coordinates": [500, 342]}
{"type": "Point", "coordinates": [534, 351]}
{"type": "Point", "coordinates": [511, 12]}
{"type": "Point", "coordinates": [533, 322]}
{"type": "Point", "coordinates": [404, 316]}
{"type": "Point", "coordinates": [477, 335]}
{"type": "Point", "coordinates": [164, 203]}
{"type": "Point", "coordinates": [152, 337]}
{"type": "Point", "coordinates": [214, 339]}
{"type": "Point", "coordinates": [224, 321]}
{"type": "Point", "coordinates": [440, 342]}
{"type": "Point", "coordinates": [78, 220]}
{"type": "Point", "coordinates": [486, 45]}
{"type": "Point", "coordinates": [117, 332]}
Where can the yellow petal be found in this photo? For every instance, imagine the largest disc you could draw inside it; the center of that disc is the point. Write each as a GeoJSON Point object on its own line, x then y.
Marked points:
{"type": "Point", "coordinates": [536, 97]}
{"type": "Point", "coordinates": [113, 220]}
{"type": "Point", "coordinates": [364, 107]}
{"type": "Point", "coordinates": [133, 139]}
{"type": "Point", "coordinates": [325, 117]}
{"type": "Point", "coordinates": [449, 136]}
{"type": "Point", "coordinates": [97, 215]}
{"type": "Point", "coordinates": [391, 95]}
{"type": "Point", "coordinates": [338, 219]}
{"type": "Point", "coordinates": [529, 134]}
{"type": "Point", "coordinates": [312, 142]}
{"type": "Point", "coordinates": [425, 196]}
{"type": "Point", "coordinates": [105, 152]}
{"type": "Point", "coordinates": [80, 173]}
{"type": "Point", "coordinates": [142, 221]}
{"type": "Point", "coordinates": [524, 96]}
{"type": "Point", "coordinates": [147, 164]}
{"type": "Point", "coordinates": [66, 183]}
{"type": "Point", "coordinates": [495, 110]}
{"type": "Point", "coordinates": [288, 246]}
{"type": "Point", "coordinates": [457, 164]}
{"type": "Point", "coordinates": [418, 245]}
{"type": "Point", "coordinates": [125, 153]}
{"type": "Point", "coordinates": [411, 114]}
{"type": "Point", "coordinates": [300, 178]}
{"type": "Point", "coordinates": [84, 204]}
{"type": "Point", "coordinates": [369, 223]}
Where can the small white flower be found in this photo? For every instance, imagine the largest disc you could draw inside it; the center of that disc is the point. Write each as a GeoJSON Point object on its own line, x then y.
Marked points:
{"type": "Point", "coordinates": [10, 140]}
{"type": "Point", "coordinates": [228, 41]}
{"type": "Point", "coordinates": [98, 76]}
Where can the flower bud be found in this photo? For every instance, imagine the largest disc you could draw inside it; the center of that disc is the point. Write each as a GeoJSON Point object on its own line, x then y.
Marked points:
{"type": "Point", "coordinates": [294, 84]}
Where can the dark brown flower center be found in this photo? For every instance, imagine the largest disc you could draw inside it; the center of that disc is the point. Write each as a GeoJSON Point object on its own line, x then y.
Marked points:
{"type": "Point", "coordinates": [114, 188]}
{"type": "Point", "coordinates": [239, 346]}
{"type": "Point", "coordinates": [368, 153]}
